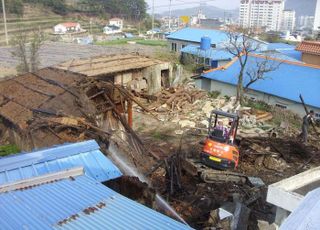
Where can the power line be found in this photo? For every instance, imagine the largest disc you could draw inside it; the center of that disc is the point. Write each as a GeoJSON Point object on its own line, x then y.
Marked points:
{"type": "Point", "coordinates": [5, 22]}
{"type": "Point", "coordinates": [184, 3]}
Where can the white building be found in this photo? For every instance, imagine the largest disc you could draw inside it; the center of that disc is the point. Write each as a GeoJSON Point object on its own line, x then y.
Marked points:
{"type": "Point", "coordinates": [118, 22]}
{"type": "Point", "coordinates": [195, 19]}
{"type": "Point", "coordinates": [111, 29]}
{"type": "Point", "coordinates": [261, 13]}
{"type": "Point", "coordinates": [288, 22]}
{"type": "Point", "coordinates": [305, 22]}
{"type": "Point", "coordinates": [67, 27]}
{"type": "Point", "coordinates": [316, 25]}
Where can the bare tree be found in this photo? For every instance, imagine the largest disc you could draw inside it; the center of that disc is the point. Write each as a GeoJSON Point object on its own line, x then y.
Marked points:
{"type": "Point", "coordinates": [240, 44]}
{"type": "Point", "coordinates": [261, 66]}
{"type": "Point", "coordinates": [20, 51]}
{"type": "Point", "coordinates": [36, 42]}
{"type": "Point", "coordinates": [27, 49]}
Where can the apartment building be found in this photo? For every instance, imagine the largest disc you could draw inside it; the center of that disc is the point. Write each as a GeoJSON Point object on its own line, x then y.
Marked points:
{"type": "Point", "coordinates": [316, 25]}
{"type": "Point", "coordinates": [305, 22]}
{"type": "Point", "coordinates": [288, 21]}
{"type": "Point", "coordinates": [261, 13]}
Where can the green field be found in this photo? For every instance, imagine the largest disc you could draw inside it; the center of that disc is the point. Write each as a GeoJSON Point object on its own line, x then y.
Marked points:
{"type": "Point", "coordinates": [139, 41]}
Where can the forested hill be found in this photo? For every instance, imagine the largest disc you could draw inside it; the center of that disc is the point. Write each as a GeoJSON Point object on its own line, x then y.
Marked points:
{"type": "Point", "coordinates": [129, 9]}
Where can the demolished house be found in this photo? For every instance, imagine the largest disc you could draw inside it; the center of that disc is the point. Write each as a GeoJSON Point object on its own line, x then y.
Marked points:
{"type": "Point", "coordinates": [79, 100]}
{"type": "Point", "coordinates": [137, 73]}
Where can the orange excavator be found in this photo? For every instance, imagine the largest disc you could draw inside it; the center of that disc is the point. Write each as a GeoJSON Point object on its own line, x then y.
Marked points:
{"type": "Point", "coordinates": [220, 150]}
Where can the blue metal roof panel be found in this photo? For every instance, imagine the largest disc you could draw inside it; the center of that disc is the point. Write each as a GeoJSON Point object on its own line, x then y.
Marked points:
{"type": "Point", "coordinates": [195, 35]}
{"type": "Point", "coordinates": [286, 49]}
{"type": "Point", "coordinates": [288, 81]}
{"type": "Point", "coordinates": [306, 215]}
{"type": "Point", "coordinates": [279, 55]}
{"type": "Point", "coordinates": [86, 154]}
{"type": "Point", "coordinates": [276, 46]}
{"type": "Point", "coordinates": [77, 203]}
{"type": "Point", "coordinates": [292, 53]}
{"type": "Point", "coordinates": [214, 54]}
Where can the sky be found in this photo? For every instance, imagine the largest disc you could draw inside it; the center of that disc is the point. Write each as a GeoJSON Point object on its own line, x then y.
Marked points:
{"type": "Point", "coordinates": [163, 5]}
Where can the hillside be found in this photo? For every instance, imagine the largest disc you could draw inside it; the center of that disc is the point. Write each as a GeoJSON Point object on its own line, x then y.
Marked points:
{"type": "Point", "coordinates": [302, 7]}
{"type": "Point", "coordinates": [209, 11]}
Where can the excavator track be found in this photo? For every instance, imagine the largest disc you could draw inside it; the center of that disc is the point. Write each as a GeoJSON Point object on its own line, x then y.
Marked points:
{"type": "Point", "coordinates": [209, 175]}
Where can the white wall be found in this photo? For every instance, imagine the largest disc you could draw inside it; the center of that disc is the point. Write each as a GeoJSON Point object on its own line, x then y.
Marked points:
{"type": "Point", "coordinates": [316, 24]}
{"type": "Point", "coordinates": [230, 90]}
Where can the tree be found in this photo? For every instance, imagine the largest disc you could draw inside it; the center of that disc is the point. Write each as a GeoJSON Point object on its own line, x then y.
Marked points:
{"type": "Point", "coordinates": [22, 49]}
{"type": "Point", "coordinates": [241, 45]}
{"type": "Point", "coordinates": [130, 9]}
{"type": "Point", "coordinates": [13, 7]}
{"type": "Point", "coordinates": [258, 70]}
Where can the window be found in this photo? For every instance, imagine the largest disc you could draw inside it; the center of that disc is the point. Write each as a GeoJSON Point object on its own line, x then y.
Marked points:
{"type": "Point", "coordinates": [281, 106]}
{"type": "Point", "coordinates": [182, 46]}
{"type": "Point", "coordinates": [174, 47]}
{"type": "Point", "coordinates": [213, 46]}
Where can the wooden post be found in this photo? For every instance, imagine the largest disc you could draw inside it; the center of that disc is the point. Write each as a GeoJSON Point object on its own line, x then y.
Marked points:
{"type": "Point", "coordinates": [130, 114]}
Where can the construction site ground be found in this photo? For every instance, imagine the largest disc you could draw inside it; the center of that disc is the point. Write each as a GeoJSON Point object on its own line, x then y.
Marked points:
{"type": "Point", "coordinates": [269, 158]}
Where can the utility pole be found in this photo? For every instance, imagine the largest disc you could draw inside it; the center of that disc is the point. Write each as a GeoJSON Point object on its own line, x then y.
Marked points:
{"type": "Point", "coordinates": [152, 31]}
{"type": "Point", "coordinates": [170, 15]}
{"type": "Point", "coordinates": [5, 22]}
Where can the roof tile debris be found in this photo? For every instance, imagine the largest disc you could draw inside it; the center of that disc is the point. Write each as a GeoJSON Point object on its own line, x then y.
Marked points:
{"type": "Point", "coordinates": [16, 113]}
{"type": "Point", "coordinates": [310, 47]}
{"type": "Point", "coordinates": [19, 96]}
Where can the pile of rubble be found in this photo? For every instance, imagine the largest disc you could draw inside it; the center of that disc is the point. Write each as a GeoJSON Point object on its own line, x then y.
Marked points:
{"type": "Point", "coordinates": [191, 108]}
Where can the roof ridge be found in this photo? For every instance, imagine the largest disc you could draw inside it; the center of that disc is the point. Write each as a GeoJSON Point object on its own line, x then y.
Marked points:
{"type": "Point", "coordinates": [226, 66]}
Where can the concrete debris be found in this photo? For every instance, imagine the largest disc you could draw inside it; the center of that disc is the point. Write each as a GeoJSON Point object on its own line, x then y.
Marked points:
{"type": "Point", "coordinates": [178, 132]}
{"type": "Point", "coordinates": [264, 225]}
{"type": "Point", "coordinates": [256, 181]}
{"type": "Point", "coordinates": [207, 108]}
{"type": "Point", "coordinates": [237, 214]}
{"type": "Point", "coordinates": [187, 124]}
{"type": "Point", "coordinates": [275, 164]}
{"type": "Point", "coordinates": [205, 123]}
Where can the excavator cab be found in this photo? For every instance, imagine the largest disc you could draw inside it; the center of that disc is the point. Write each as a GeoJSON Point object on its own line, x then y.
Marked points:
{"type": "Point", "coordinates": [220, 149]}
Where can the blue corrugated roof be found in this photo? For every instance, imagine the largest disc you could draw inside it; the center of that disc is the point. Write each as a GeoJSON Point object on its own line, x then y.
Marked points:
{"type": "Point", "coordinates": [279, 55]}
{"type": "Point", "coordinates": [217, 37]}
{"type": "Point", "coordinates": [286, 49]}
{"type": "Point", "coordinates": [214, 54]}
{"type": "Point", "coordinates": [306, 216]}
{"type": "Point", "coordinates": [288, 81]}
{"type": "Point", "coordinates": [195, 35]}
{"type": "Point", "coordinates": [86, 154]}
{"type": "Point", "coordinates": [276, 46]}
{"type": "Point", "coordinates": [77, 203]}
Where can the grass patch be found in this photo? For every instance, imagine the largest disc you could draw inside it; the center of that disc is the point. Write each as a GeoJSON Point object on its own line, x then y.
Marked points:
{"type": "Point", "coordinates": [140, 41]}
{"type": "Point", "coordinates": [122, 41]}
{"type": "Point", "coordinates": [214, 94]}
{"type": "Point", "coordinates": [6, 150]}
{"type": "Point", "coordinates": [160, 136]}
{"type": "Point", "coordinates": [152, 43]}
{"type": "Point", "coordinates": [259, 105]}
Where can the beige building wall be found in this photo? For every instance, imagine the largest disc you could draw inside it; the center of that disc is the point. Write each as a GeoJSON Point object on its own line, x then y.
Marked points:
{"type": "Point", "coordinates": [311, 59]}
